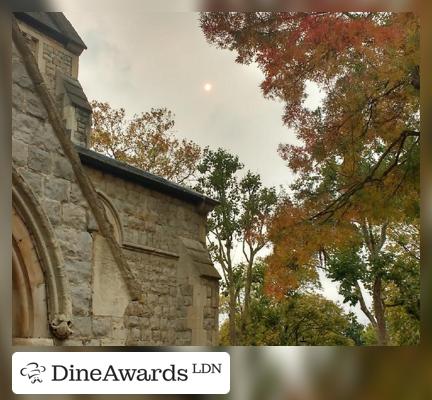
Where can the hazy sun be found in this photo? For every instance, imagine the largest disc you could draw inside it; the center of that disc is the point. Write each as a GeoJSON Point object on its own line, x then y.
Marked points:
{"type": "Point", "coordinates": [208, 87]}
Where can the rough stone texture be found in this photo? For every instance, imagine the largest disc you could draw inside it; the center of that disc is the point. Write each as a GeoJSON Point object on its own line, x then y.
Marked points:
{"type": "Point", "coordinates": [39, 161]}
{"type": "Point", "coordinates": [179, 304]}
{"type": "Point", "coordinates": [81, 133]}
{"type": "Point", "coordinates": [38, 158]}
{"type": "Point", "coordinates": [102, 327]}
{"type": "Point", "coordinates": [56, 60]}
{"type": "Point", "coordinates": [83, 326]}
{"type": "Point", "coordinates": [153, 220]}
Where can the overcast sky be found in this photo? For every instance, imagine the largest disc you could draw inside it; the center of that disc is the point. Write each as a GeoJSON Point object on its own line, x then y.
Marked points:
{"type": "Point", "coordinates": [138, 59]}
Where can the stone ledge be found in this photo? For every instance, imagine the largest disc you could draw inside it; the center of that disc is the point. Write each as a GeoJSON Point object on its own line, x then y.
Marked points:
{"type": "Point", "coordinates": [149, 250]}
{"type": "Point", "coordinates": [32, 342]}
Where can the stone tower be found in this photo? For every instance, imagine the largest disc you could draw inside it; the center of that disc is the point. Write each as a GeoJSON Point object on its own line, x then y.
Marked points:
{"type": "Point", "coordinates": [57, 48]}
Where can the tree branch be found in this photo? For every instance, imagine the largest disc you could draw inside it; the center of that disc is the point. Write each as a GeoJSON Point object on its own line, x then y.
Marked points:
{"type": "Point", "coordinates": [363, 305]}
{"type": "Point", "coordinates": [343, 199]}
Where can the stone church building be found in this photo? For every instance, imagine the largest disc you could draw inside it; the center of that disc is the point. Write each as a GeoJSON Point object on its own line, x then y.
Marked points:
{"type": "Point", "coordinates": [103, 253]}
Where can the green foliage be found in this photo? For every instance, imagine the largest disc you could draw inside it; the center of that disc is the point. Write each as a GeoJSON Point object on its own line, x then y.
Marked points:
{"type": "Point", "coordinates": [347, 267]}
{"type": "Point", "coordinates": [369, 336]}
{"type": "Point", "coordinates": [240, 220]}
{"type": "Point", "coordinates": [404, 328]}
{"type": "Point", "coordinates": [299, 319]}
{"type": "Point", "coordinates": [302, 320]}
{"type": "Point", "coordinates": [355, 330]}
{"type": "Point", "coordinates": [219, 180]}
{"type": "Point", "coordinates": [257, 203]}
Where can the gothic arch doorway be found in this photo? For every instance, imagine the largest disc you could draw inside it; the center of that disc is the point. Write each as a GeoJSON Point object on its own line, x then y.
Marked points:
{"type": "Point", "coordinates": [41, 305]}
{"type": "Point", "coordinates": [29, 303]}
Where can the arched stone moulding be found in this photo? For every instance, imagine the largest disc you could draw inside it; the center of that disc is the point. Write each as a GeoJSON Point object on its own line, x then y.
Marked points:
{"type": "Point", "coordinates": [22, 301]}
{"type": "Point", "coordinates": [114, 219]}
{"type": "Point", "coordinates": [59, 305]}
{"type": "Point", "coordinates": [30, 319]}
{"type": "Point", "coordinates": [112, 216]}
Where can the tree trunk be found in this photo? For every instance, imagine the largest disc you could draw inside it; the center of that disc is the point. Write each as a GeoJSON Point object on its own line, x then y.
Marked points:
{"type": "Point", "coordinates": [247, 295]}
{"type": "Point", "coordinates": [375, 246]}
{"type": "Point", "coordinates": [248, 285]}
{"type": "Point", "coordinates": [379, 313]}
{"type": "Point", "coordinates": [232, 314]}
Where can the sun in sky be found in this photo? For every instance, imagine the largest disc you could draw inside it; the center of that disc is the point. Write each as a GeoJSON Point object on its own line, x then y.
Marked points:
{"type": "Point", "coordinates": [208, 86]}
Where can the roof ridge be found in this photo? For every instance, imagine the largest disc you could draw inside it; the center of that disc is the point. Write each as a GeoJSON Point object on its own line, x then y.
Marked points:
{"type": "Point", "coordinates": [55, 25]}
{"type": "Point", "coordinates": [138, 175]}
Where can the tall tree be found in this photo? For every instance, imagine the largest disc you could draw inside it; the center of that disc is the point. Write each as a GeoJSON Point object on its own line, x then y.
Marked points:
{"type": "Point", "coordinates": [146, 141]}
{"type": "Point", "coordinates": [240, 220]}
{"type": "Point", "coordinates": [357, 164]}
{"type": "Point", "coordinates": [219, 180]}
{"type": "Point", "coordinates": [258, 204]}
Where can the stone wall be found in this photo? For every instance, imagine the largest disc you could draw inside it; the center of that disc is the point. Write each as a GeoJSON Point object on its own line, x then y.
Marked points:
{"type": "Point", "coordinates": [58, 64]}
{"type": "Point", "coordinates": [50, 55]}
{"type": "Point", "coordinates": [211, 310]}
{"type": "Point", "coordinates": [38, 158]}
{"type": "Point", "coordinates": [154, 227]}
{"type": "Point", "coordinates": [55, 59]}
{"type": "Point", "coordinates": [162, 238]}
{"type": "Point", "coordinates": [83, 124]}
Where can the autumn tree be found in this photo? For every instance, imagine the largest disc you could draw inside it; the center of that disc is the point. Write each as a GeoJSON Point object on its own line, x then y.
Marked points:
{"type": "Point", "coordinates": [381, 259]}
{"type": "Point", "coordinates": [367, 65]}
{"type": "Point", "coordinates": [146, 141]}
{"type": "Point", "coordinates": [240, 220]}
{"type": "Point", "coordinates": [357, 164]}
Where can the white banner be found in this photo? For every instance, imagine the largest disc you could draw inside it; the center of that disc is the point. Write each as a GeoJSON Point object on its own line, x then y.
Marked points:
{"type": "Point", "coordinates": [120, 373]}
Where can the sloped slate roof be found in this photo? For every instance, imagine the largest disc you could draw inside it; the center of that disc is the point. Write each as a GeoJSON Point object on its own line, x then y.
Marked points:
{"type": "Point", "coordinates": [75, 93]}
{"type": "Point", "coordinates": [141, 177]}
{"type": "Point", "coordinates": [200, 258]}
{"type": "Point", "coordinates": [55, 25]}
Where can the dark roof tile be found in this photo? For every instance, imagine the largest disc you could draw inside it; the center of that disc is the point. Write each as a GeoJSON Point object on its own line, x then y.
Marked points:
{"type": "Point", "coordinates": [151, 181]}
{"type": "Point", "coordinates": [75, 93]}
{"type": "Point", "coordinates": [55, 25]}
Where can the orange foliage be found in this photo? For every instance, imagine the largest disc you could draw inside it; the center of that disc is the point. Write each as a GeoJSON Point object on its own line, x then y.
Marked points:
{"type": "Point", "coordinates": [359, 150]}
{"type": "Point", "coordinates": [146, 141]}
